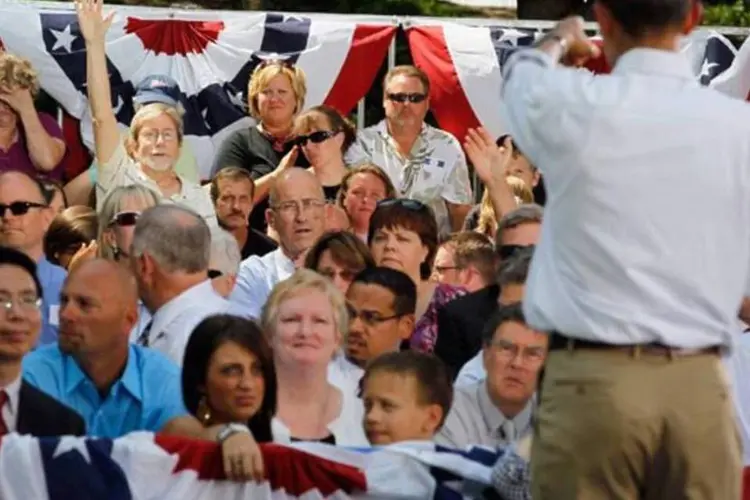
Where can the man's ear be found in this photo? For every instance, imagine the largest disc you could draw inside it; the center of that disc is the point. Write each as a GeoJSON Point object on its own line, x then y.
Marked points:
{"type": "Point", "coordinates": [406, 326]}
{"type": "Point", "coordinates": [271, 218]}
{"type": "Point", "coordinates": [604, 18]}
{"type": "Point", "coordinates": [694, 18]}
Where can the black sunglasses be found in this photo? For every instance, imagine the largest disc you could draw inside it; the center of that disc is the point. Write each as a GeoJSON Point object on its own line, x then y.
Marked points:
{"type": "Point", "coordinates": [19, 207]}
{"type": "Point", "coordinates": [214, 273]}
{"type": "Point", "coordinates": [402, 97]}
{"type": "Point", "coordinates": [507, 251]}
{"type": "Point", "coordinates": [315, 137]}
{"type": "Point", "coordinates": [123, 219]}
{"type": "Point", "coordinates": [407, 203]}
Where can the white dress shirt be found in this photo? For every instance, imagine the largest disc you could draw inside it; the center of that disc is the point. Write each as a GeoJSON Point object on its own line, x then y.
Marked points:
{"type": "Point", "coordinates": [434, 172]}
{"type": "Point", "coordinates": [472, 372]}
{"type": "Point", "coordinates": [344, 374]}
{"type": "Point", "coordinates": [646, 232]}
{"type": "Point", "coordinates": [738, 370]}
{"type": "Point", "coordinates": [257, 277]}
{"type": "Point", "coordinates": [174, 322]}
{"type": "Point", "coordinates": [10, 408]}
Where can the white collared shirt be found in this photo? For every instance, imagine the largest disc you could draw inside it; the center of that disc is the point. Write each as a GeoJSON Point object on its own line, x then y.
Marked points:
{"type": "Point", "coordinates": [173, 323]}
{"type": "Point", "coordinates": [434, 172]}
{"type": "Point", "coordinates": [257, 277]}
{"type": "Point", "coordinates": [646, 232]}
{"type": "Point", "coordinates": [10, 408]}
{"type": "Point", "coordinates": [122, 170]}
{"type": "Point", "coordinates": [344, 374]}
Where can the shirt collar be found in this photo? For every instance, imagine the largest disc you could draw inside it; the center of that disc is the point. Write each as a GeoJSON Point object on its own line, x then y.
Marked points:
{"type": "Point", "coordinates": [494, 418]}
{"type": "Point", "coordinates": [130, 379]}
{"type": "Point", "coordinates": [654, 62]}
{"type": "Point", "coordinates": [283, 264]}
{"type": "Point", "coordinates": [13, 391]}
{"type": "Point", "coordinates": [169, 311]}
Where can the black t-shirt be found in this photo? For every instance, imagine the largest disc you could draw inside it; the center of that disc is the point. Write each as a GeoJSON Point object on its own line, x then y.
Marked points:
{"type": "Point", "coordinates": [251, 150]}
{"type": "Point", "coordinates": [257, 244]}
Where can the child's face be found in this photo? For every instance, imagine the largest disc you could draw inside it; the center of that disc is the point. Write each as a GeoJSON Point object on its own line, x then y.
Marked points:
{"type": "Point", "coordinates": [393, 412]}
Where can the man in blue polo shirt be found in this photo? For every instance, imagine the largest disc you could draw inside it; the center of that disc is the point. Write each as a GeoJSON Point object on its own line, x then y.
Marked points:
{"type": "Point", "coordinates": [24, 218]}
{"type": "Point", "coordinates": [116, 386]}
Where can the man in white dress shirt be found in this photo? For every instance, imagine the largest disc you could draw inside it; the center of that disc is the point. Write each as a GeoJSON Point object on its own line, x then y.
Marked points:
{"type": "Point", "coordinates": [297, 213]}
{"type": "Point", "coordinates": [169, 257]}
{"type": "Point", "coordinates": [639, 286]}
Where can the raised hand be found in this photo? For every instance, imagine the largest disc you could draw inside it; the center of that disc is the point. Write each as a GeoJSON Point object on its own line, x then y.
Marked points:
{"type": "Point", "coordinates": [489, 160]}
{"type": "Point", "coordinates": [92, 22]}
{"type": "Point", "coordinates": [18, 98]}
{"type": "Point", "coordinates": [580, 48]}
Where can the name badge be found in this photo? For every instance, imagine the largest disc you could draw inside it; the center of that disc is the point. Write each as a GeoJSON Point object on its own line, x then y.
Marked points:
{"type": "Point", "coordinates": [434, 161]}
{"type": "Point", "coordinates": [54, 315]}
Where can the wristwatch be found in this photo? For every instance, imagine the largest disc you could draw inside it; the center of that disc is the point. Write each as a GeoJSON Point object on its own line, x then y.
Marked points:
{"type": "Point", "coordinates": [230, 430]}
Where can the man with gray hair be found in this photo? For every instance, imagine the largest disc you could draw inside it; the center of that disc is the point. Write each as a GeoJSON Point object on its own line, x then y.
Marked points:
{"type": "Point", "coordinates": [224, 262]}
{"type": "Point", "coordinates": [169, 257]}
{"type": "Point", "coordinates": [461, 320]}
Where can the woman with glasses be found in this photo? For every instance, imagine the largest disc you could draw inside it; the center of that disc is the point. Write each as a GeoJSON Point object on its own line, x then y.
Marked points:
{"type": "Point", "coordinates": [153, 147]}
{"type": "Point", "coordinates": [404, 236]}
{"type": "Point", "coordinates": [339, 256]}
{"type": "Point", "coordinates": [305, 320]}
{"type": "Point", "coordinates": [361, 189]}
{"type": "Point", "coordinates": [275, 94]}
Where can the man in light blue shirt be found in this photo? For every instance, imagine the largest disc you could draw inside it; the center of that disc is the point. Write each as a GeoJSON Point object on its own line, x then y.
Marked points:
{"type": "Point", "coordinates": [24, 218]}
{"type": "Point", "coordinates": [117, 387]}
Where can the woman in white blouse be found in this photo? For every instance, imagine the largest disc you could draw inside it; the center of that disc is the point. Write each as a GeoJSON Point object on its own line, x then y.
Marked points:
{"type": "Point", "coordinates": [305, 319]}
{"type": "Point", "coordinates": [156, 131]}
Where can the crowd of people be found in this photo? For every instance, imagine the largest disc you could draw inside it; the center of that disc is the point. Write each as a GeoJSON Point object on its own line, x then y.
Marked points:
{"type": "Point", "coordinates": [348, 287]}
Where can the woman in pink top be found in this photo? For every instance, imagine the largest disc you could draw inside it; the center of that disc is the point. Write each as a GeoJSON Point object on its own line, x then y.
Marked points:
{"type": "Point", "coordinates": [30, 142]}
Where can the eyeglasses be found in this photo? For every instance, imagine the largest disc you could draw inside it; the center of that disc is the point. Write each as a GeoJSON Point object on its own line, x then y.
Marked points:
{"type": "Point", "coordinates": [315, 137]}
{"type": "Point", "coordinates": [26, 304]}
{"type": "Point", "coordinates": [510, 351]}
{"type": "Point", "coordinates": [124, 219]}
{"type": "Point", "coordinates": [288, 207]}
{"type": "Point", "coordinates": [407, 203]}
{"type": "Point", "coordinates": [214, 273]}
{"type": "Point", "coordinates": [403, 97]}
{"type": "Point", "coordinates": [369, 318]}
{"type": "Point", "coordinates": [153, 135]}
{"type": "Point", "coordinates": [507, 251]}
{"type": "Point", "coordinates": [19, 207]}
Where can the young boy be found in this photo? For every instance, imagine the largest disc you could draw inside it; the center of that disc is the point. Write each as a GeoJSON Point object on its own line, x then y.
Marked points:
{"type": "Point", "coordinates": [406, 395]}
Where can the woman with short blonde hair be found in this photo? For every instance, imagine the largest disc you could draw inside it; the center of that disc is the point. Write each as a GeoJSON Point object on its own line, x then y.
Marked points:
{"type": "Point", "coordinates": [275, 95]}
{"type": "Point", "coordinates": [305, 319]}
{"type": "Point", "coordinates": [153, 147]}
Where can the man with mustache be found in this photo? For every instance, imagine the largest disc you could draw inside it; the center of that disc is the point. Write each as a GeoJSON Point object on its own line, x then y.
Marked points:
{"type": "Point", "coordinates": [423, 162]}
{"type": "Point", "coordinates": [232, 191]}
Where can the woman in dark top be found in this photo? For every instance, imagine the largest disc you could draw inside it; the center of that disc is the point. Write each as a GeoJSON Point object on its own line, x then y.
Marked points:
{"type": "Point", "coordinates": [228, 375]}
{"type": "Point", "coordinates": [276, 93]}
{"type": "Point", "coordinates": [324, 137]}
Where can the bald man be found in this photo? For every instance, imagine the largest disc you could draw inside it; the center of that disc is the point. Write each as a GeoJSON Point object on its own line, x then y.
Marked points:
{"type": "Point", "coordinates": [117, 387]}
{"type": "Point", "coordinates": [24, 218]}
{"type": "Point", "coordinates": [297, 213]}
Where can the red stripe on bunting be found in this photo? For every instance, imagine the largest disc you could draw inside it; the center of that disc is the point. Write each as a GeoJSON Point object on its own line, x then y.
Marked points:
{"type": "Point", "coordinates": [367, 52]}
{"type": "Point", "coordinates": [292, 470]}
{"type": "Point", "coordinates": [448, 101]}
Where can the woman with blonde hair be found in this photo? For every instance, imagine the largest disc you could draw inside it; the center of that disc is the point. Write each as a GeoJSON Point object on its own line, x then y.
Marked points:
{"type": "Point", "coordinates": [275, 94]}
{"type": "Point", "coordinates": [485, 218]}
{"type": "Point", "coordinates": [305, 319]}
{"type": "Point", "coordinates": [30, 141]}
{"type": "Point", "coordinates": [156, 132]}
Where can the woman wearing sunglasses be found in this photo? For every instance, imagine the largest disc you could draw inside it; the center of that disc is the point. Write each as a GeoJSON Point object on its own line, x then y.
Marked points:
{"type": "Point", "coordinates": [404, 236]}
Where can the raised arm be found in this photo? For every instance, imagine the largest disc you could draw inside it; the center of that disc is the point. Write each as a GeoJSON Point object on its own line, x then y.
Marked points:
{"type": "Point", "coordinates": [491, 163]}
{"type": "Point", "coordinates": [94, 27]}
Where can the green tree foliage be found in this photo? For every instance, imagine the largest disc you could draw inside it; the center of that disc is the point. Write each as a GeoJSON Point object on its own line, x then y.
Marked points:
{"type": "Point", "coordinates": [733, 14]}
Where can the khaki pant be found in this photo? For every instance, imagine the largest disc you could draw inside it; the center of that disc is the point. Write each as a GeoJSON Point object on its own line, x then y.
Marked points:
{"type": "Point", "coordinates": [612, 426]}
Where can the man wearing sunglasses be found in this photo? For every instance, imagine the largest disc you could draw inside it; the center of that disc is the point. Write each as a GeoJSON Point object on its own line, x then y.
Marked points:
{"type": "Point", "coordinates": [423, 162]}
{"type": "Point", "coordinates": [24, 218]}
{"type": "Point", "coordinates": [460, 321]}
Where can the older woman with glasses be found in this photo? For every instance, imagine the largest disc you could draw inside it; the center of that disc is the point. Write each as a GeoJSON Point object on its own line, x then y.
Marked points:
{"type": "Point", "coordinates": [149, 156]}
{"type": "Point", "coordinates": [404, 236]}
{"type": "Point", "coordinates": [305, 319]}
{"type": "Point", "coordinates": [275, 94]}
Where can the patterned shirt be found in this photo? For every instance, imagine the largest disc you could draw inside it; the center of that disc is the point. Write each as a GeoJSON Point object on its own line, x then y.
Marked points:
{"type": "Point", "coordinates": [426, 330]}
{"type": "Point", "coordinates": [435, 171]}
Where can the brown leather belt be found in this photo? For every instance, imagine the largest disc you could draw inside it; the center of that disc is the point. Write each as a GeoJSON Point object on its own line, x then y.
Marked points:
{"type": "Point", "coordinates": [558, 341]}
